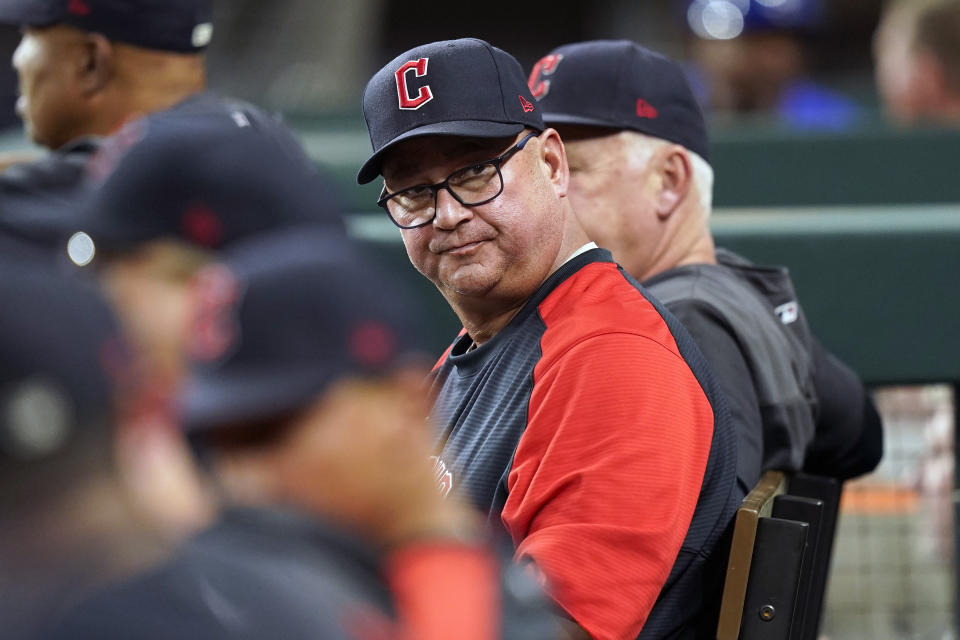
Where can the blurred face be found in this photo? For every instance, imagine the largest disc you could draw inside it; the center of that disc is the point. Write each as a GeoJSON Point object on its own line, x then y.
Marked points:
{"type": "Point", "coordinates": [904, 75]}
{"type": "Point", "coordinates": [612, 190]}
{"type": "Point", "coordinates": [893, 71]}
{"type": "Point", "coordinates": [50, 100]}
{"type": "Point", "coordinates": [149, 288]}
{"type": "Point", "coordinates": [503, 249]}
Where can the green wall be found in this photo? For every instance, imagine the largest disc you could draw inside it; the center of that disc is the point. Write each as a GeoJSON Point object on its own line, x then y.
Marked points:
{"type": "Point", "coordinates": [879, 285]}
{"type": "Point", "coordinates": [868, 223]}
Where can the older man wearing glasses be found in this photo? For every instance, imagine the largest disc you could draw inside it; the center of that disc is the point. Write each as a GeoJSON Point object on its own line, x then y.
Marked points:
{"type": "Point", "coordinates": [572, 409]}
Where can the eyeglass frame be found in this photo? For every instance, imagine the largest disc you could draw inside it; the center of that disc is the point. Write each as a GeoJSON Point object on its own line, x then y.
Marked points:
{"type": "Point", "coordinates": [497, 163]}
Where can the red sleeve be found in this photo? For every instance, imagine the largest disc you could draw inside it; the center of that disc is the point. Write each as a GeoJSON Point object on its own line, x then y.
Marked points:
{"type": "Point", "coordinates": [606, 477]}
{"type": "Point", "coordinates": [445, 591]}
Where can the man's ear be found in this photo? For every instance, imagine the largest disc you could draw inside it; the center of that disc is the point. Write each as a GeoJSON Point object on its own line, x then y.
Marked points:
{"type": "Point", "coordinates": [95, 64]}
{"type": "Point", "coordinates": [676, 176]}
{"type": "Point", "coordinates": [554, 157]}
{"type": "Point", "coordinates": [930, 83]}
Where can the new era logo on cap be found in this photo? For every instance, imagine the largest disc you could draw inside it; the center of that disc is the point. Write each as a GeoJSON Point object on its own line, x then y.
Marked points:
{"type": "Point", "coordinates": [460, 87]}
{"type": "Point", "coordinates": [202, 35]}
{"type": "Point", "coordinates": [645, 109]}
{"type": "Point", "coordinates": [78, 8]}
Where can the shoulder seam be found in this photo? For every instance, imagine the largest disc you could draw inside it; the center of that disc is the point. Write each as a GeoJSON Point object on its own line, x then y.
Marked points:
{"type": "Point", "coordinates": [584, 339]}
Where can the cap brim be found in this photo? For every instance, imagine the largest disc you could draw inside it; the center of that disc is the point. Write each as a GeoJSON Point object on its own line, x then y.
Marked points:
{"type": "Point", "coordinates": [551, 119]}
{"type": "Point", "coordinates": [30, 13]}
{"type": "Point", "coordinates": [110, 236]}
{"type": "Point", "coordinates": [40, 220]}
{"type": "Point", "coordinates": [463, 128]}
{"type": "Point", "coordinates": [212, 401]}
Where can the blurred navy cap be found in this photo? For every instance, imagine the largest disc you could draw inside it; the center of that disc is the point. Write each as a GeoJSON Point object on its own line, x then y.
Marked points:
{"type": "Point", "coordinates": [463, 87]}
{"type": "Point", "coordinates": [183, 26]}
{"type": "Point", "coordinates": [61, 357]}
{"type": "Point", "coordinates": [282, 317]}
{"type": "Point", "coordinates": [622, 85]}
{"type": "Point", "coordinates": [205, 175]}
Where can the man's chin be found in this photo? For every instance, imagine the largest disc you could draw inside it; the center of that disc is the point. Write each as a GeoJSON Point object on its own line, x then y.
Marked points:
{"type": "Point", "coordinates": [34, 137]}
{"type": "Point", "coordinates": [472, 281]}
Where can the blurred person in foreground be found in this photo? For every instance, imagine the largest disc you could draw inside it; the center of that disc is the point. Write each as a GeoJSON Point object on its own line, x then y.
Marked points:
{"type": "Point", "coordinates": [917, 52]}
{"type": "Point", "coordinates": [305, 401]}
{"type": "Point", "coordinates": [162, 197]}
{"type": "Point", "coordinates": [127, 70]}
{"type": "Point", "coordinates": [617, 481]}
{"type": "Point", "coordinates": [641, 184]}
{"type": "Point", "coordinates": [66, 523]}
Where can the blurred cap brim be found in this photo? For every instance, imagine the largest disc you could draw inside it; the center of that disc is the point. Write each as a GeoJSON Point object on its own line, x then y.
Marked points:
{"type": "Point", "coordinates": [216, 400]}
{"type": "Point", "coordinates": [30, 13]}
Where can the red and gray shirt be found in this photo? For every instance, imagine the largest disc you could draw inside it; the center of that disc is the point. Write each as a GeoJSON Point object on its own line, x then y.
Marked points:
{"type": "Point", "coordinates": [592, 429]}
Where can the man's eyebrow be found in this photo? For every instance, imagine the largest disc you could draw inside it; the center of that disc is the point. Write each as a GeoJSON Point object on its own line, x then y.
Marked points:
{"type": "Point", "coordinates": [405, 167]}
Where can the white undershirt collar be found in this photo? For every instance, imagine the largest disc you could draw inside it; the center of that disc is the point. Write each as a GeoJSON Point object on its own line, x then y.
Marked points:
{"type": "Point", "coordinates": [583, 249]}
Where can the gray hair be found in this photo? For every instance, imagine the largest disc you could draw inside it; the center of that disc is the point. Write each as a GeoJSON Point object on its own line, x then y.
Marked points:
{"type": "Point", "coordinates": [642, 148]}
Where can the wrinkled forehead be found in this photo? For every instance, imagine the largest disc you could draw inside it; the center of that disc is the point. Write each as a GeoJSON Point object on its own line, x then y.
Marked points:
{"type": "Point", "coordinates": [419, 156]}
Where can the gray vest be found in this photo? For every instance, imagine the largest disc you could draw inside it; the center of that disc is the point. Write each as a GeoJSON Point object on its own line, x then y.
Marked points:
{"type": "Point", "coordinates": [759, 306]}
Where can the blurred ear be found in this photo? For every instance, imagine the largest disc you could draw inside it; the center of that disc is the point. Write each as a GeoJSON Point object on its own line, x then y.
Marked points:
{"type": "Point", "coordinates": [95, 64]}
{"type": "Point", "coordinates": [554, 157]}
{"type": "Point", "coordinates": [931, 84]}
{"type": "Point", "coordinates": [676, 175]}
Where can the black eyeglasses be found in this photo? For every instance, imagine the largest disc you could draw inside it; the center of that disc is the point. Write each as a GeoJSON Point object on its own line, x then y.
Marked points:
{"type": "Point", "coordinates": [471, 186]}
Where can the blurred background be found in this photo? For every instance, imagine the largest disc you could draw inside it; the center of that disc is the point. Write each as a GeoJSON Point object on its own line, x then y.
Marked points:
{"type": "Point", "coordinates": [811, 173]}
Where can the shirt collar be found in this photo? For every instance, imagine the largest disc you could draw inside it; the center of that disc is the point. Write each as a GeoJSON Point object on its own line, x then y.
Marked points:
{"type": "Point", "coordinates": [583, 249]}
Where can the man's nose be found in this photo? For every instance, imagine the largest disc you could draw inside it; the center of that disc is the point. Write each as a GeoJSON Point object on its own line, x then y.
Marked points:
{"type": "Point", "coordinates": [450, 212]}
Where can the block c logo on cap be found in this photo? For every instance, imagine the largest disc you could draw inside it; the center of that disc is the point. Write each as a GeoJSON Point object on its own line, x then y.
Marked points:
{"type": "Point", "coordinates": [424, 94]}
{"type": "Point", "coordinates": [546, 66]}
{"type": "Point", "coordinates": [214, 295]}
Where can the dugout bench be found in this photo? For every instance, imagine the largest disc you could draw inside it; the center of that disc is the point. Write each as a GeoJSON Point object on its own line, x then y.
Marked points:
{"type": "Point", "coordinates": [780, 559]}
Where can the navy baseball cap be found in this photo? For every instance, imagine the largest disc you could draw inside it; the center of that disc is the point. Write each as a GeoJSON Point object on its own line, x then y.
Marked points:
{"type": "Point", "coordinates": [621, 85]}
{"type": "Point", "coordinates": [183, 26]}
{"type": "Point", "coordinates": [463, 87]}
{"type": "Point", "coordinates": [208, 173]}
{"type": "Point", "coordinates": [283, 316]}
{"type": "Point", "coordinates": [61, 358]}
